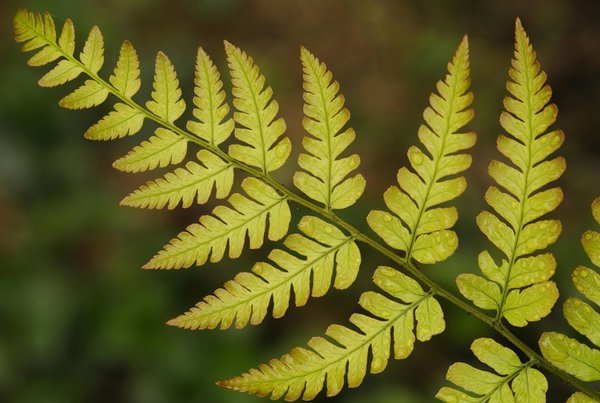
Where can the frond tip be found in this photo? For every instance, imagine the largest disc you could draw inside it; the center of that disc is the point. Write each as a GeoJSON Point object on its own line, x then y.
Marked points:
{"type": "Point", "coordinates": [261, 133]}
{"type": "Point", "coordinates": [324, 178]}
{"type": "Point", "coordinates": [418, 226]}
{"type": "Point", "coordinates": [512, 381]}
{"type": "Point", "coordinates": [519, 289]}
{"type": "Point", "coordinates": [343, 354]}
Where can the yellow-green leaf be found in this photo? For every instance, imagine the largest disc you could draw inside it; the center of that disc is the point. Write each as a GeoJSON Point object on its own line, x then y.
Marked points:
{"type": "Point", "coordinates": [323, 249]}
{"type": "Point", "coordinates": [519, 201]}
{"type": "Point", "coordinates": [530, 304]}
{"type": "Point", "coordinates": [63, 72]}
{"type": "Point", "coordinates": [587, 282]}
{"type": "Point", "coordinates": [258, 127]}
{"type": "Point", "coordinates": [325, 176]}
{"type": "Point", "coordinates": [210, 107]}
{"type": "Point", "coordinates": [344, 352]}
{"type": "Point", "coordinates": [88, 95]}
{"type": "Point", "coordinates": [44, 56]}
{"type": "Point", "coordinates": [34, 29]}
{"type": "Point", "coordinates": [184, 185]}
{"type": "Point", "coordinates": [483, 293]}
{"type": "Point", "coordinates": [571, 356]}
{"type": "Point", "coordinates": [530, 386]}
{"type": "Point", "coordinates": [66, 41]}
{"type": "Point", "coordinates": [472, 379]}
{"type": "Point", "coordinates": [501, 359]}
{"type": "Point", "coordinates": [596, 209]}
{"type": "Point", "coordinates": [513, 381]}
{"type": "Point", "coordinates": [579, 397]}
{"type": "Point", "coordinates": [166, 95]}
{"type": "Point", "coordinates": [583, 318]}
{"type": "Point", "coordinates": [228, 226]}
{"type": "Point", "coordinates": [160, 150]}
{"type": "Point", "coordinates": [92, 55]}
{"type": "Point", "coordinates": [418, 226]}
{"type": "Point", "coordinates": [591, 245]}
{"type": "Point", "coordinates": [452, 395]}
{"type": "Point", "coordinates": [126, 76]}
{"type": "Point", "coordinates": [122, 121]}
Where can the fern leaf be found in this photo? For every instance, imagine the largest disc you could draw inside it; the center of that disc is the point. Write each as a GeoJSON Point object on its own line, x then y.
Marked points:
{"type": "Point", "coordinates": [579, 397]}
{"type": "Point", "coordinates": [183, 185]}
{"type": "Point", "coordinates": [123, 121]}
{"type": "Point", "coordinates": [344, 353]}
{"type": "Point", "coordinates": [418, 227]}
{"type": "Point", "coordinates": [162, 149]}
{"type": "Point", "coordinates": [166, 97]}
{"type": "Point", "coordinates": [571, 356]}
{"type": "Point", "coordinates": [246, 298]}
{"type": "Point", "coordinates": [258, 128]}
{"type": "Point", "coordinates": [37, 31]}
{"type": "Point", "coordinates": [325, 179]}
{"type": "Point", "coordinates": [92, 55]}
{"type": "Point", "coordinates": [63, 72]}
{"type": "Point", "coordinates": [512, 380]}
{"type": "Point", "coordinates": [34, 29]}
{"type": "Point", "coordinates": [88, 95]}
{"type": "Point", "coordinates": [126, 76]}
{"type": "Point", "coordinates": [66, 41]}
{"type": "Point", "coordinates": [566, 353]}
{"type": "Point", "coordinates": [209, 101]}
{"type": "Point", "coordinates": [228, 226]}
{"type": "Point", "coordinates": [522, 288]}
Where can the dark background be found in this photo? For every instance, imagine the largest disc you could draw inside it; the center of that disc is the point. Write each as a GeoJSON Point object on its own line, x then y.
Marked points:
{"type": "Point", "coordinates": [79, 322]}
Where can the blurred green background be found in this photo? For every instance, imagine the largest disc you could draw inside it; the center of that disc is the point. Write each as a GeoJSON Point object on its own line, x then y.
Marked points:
{"type": "Point", "coordinates": [80, 322]}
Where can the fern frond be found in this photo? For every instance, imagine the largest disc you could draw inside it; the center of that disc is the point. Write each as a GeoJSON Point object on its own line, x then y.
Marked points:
{"type": "Point", "coordinates": [126, 76]}
{"type": "Point", "coordinates": [37, 31]}
{"type": "Point", "coordinates": [228, 226]}
{"type": "Point", "coordinates": [417, 226]}
{"type": "Point", "coordinates": [195, 181]}
{"type": "Point", "coordinates": [325, 179]}
{"type": "Point", "coordinates": [166, 97]}
{"type": "Point", "coordinates": [123, 121]}
{"type": "Point", "coordinates": [211, 108]}
{"type": "Point", "coordinates": [344, 353]}
{"type": "Point", "coordinates": [324, 250]}
{"type": "Point", "coordinates": [566, 353]}
{"type": "Point", "coordinates": [92, 55]}
{"type": "Point", "coordinates": [88, 95]}
{"type": "Point", "coordinates": [162, 149]}
{"type": "Point", "coordinates": [519, 289]}
{"type": "Point", "coordinates": [258, 128]}
{"type": "Point", "coordinates": [512, 381]}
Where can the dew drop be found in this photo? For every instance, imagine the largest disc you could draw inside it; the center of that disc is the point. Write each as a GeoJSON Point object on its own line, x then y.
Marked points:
{"type": "Point", "coordinates": [587, 236]}
{"type": "Point", "coordinates": [583, 273]}
{"type": "Point", "coordinates": [555, 141]}
{"type": "Point", "coordinates": [416, 158]}
{"type": "Point", "coordinates": [387, 218]}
